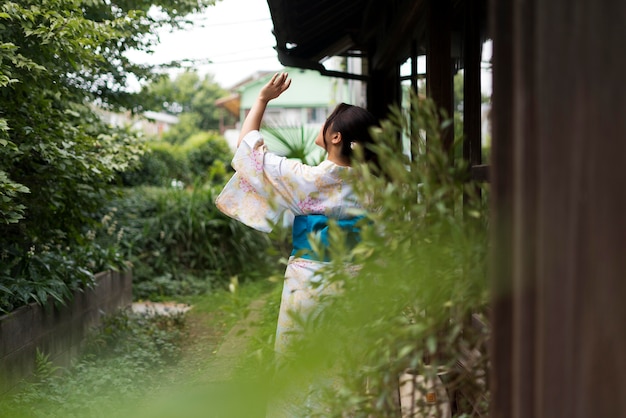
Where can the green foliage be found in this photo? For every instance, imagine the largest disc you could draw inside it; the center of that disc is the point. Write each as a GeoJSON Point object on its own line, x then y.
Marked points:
{"type": "Point", "coordinates": [161, 163]}
{"type": "Point", "coordinates": [48, 271]}
{"type": "Point", "coordinates": [422, 273]}
{"type": "Point", "coordinates": [190, 97]}
{"type": "Point", "coordinates": [296, 141]}
{"type": "Point", "coordinates": [202, 158]}
{"type": "Point", "coordinates": [140, 366]}
{"type": "Point", "coordinates": [66, 159]}
{"type": "Point", "coordinates": [186, 127]}
{"type": "Point", "coordinates": [179, 243]}
{"type": "Point", "coordinates": [58, 60]}
{"type": "Point", "coordinates": [10, 211]}
{"type": "Point", "coordinates": [122, 361]}
{"type": "Point", "coordinates": [203, 150]}
{"type": "Point", "coordinates": [44, 368]}
{"type": "Point", "coordinates": [35, 277]}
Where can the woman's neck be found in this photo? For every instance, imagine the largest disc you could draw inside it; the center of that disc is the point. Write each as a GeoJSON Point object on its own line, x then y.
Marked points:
{"type": "Point", "coordinates": [338, 161]}
{"type": "Point", "coordinates": [334, 156]}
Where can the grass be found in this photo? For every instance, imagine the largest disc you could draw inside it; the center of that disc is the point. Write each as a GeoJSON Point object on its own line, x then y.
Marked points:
{"type": "Point", "coordinates": [157, 369]}
{"type": "Point", "coordinates": [213, 316]}
{"type": "Point", "coordinates": [241, 391]}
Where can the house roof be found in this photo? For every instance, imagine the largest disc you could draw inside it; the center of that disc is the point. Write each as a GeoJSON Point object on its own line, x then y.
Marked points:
{"type": "Point", "coordinates": [301, 41]}
{"type": "Point", "coordinates": [161, 117]}
{"type": "Point", "coordinates": [230, 103]}
{"type": "Point", "coordinates": [252, 77]}
{"type": "Point", "coordinates": [297, 26]}
{"type": "Point", "coordinates": [307, 32]}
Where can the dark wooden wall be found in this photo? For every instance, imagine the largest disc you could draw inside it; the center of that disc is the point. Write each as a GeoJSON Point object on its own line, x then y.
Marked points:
{"type": "Point", "coordinates": [559, 208]}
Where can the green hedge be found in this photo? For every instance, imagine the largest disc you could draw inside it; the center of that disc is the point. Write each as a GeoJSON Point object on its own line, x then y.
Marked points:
{"type": "Point", "coordinates": [179, 243]}
{"type": "Point", "coordinates": [203, 157]}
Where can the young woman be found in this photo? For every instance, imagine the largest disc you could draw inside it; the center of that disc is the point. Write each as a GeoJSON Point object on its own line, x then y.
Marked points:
{"type": "Point", "coordinates": [265, 186]}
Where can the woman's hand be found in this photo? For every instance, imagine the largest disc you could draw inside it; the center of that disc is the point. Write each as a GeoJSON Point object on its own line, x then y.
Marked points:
{"type": "Point", "coordinates": [275, 87]}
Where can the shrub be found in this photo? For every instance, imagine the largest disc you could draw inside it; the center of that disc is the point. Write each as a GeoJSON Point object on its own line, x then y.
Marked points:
{"type": "Point", "coordinates": [53, 270]}
{"type": "Point", "coordinates": [57, 158]}
{"type": "Point", "coordinates": [122, 362]}
{"type": "Point", "coordinates": [41, 274]}
{"type": "Point", "coordinates": [422, 274]}
{"type": "Point", "coordinates": [176, 239]}
{"type": "Point", "coordinates": [204, 150]}
{"type": "Point", "coordinates": [10, 211]}
{"type": "Point", "coordinates": [159, 166]}
{"type": "Point", "coordinates": [204, 157]}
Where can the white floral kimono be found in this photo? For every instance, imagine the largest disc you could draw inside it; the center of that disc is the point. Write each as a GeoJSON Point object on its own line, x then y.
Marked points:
{"type": "Point", "coordinates": [264, 187]}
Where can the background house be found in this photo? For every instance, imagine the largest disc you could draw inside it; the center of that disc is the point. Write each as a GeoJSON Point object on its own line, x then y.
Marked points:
{"type": "Point", "coordinates": [150, 123]}
{"type": "Point", "coordinates": [309, 100]}
{"type": "Point", "coordinates": [155, 123]}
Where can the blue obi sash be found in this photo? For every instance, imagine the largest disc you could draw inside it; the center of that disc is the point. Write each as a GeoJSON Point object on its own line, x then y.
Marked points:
{"type": "Point", "coordinates": [304, 225]}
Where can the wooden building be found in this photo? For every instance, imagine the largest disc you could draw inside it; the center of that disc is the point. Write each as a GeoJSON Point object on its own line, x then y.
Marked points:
{"type": "Point", "coordinates": [558, 184]}
{"type": "Point", "coordinates": [388, 35]}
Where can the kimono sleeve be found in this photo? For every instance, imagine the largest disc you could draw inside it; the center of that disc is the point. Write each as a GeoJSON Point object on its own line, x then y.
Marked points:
{"type": "Point", "coordinates": [248, 196]}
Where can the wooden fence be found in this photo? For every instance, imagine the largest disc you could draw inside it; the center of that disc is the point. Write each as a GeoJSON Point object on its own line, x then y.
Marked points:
{"type": "Point", "coordinates": [57, 331]}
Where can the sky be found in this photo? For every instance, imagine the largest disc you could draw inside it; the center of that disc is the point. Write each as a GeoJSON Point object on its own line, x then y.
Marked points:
{"type": "Point", "coordinates": [232, 40]}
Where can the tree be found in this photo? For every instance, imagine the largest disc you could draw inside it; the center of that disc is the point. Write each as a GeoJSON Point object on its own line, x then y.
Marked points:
{"type": "Point", "coordinates": [58, 60]}
{"type": "Point", "coordinates": [189, 96]}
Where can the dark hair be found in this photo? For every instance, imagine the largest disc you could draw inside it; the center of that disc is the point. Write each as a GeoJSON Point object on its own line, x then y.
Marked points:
{"type": "Point", "coordinates": [354, 124]}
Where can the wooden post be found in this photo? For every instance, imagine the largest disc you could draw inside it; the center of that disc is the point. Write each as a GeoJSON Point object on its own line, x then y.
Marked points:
{"type": "Point", "coordinates": [383, 90]}
{"type": "Point", "coordinates": [472, 150]}
{"type": "Point", "coordinates": [558, 205]}
{"type": "Point", "coordinates": [439, 83]}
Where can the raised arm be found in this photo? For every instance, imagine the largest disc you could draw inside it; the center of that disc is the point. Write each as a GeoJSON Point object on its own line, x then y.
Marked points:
{"type": "Point", "coordinates": [274, 88]}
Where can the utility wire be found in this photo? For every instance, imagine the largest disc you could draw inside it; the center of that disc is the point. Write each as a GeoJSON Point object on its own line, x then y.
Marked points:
{"type": "Point", "coordinates": [203, 20]}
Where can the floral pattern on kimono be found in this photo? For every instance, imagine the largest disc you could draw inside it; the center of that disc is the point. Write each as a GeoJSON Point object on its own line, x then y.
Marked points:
{"type": "Point", "coordinates": [263, 188]}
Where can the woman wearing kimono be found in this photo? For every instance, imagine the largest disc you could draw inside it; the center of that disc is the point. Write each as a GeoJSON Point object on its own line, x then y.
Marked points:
{"type": "Point", "coordinates": [266, 185]}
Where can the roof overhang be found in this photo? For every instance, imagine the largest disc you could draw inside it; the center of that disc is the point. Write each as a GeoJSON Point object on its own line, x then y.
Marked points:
{"type": "Point", "coordinates": [231, 103]}
{"type": "Point", "coordinates": [309, 32]}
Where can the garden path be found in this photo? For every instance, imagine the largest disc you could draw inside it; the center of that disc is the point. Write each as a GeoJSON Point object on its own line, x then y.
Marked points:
{"type": "Point", "coordinates": [206, 381]}
{"type": "Point", "coordinates": [233, 347]}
